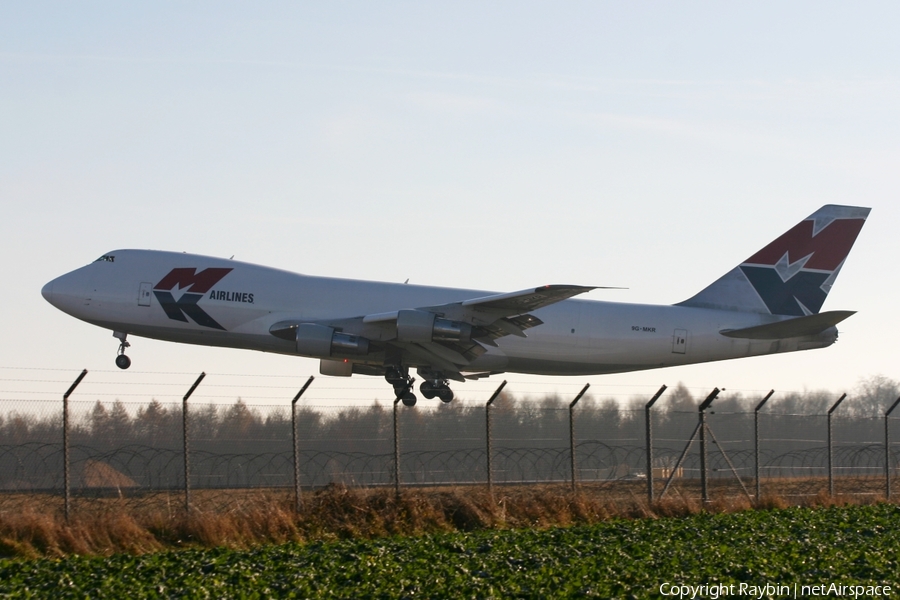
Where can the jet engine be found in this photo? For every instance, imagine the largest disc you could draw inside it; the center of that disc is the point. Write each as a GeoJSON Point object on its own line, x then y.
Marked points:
{"type": "Point", "coordinates": [422, 326]}
{"type": "Point", "coordinates": [322, 341]}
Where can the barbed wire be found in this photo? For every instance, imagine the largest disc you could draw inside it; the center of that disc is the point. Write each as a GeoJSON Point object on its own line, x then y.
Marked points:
{"type": "Point", "coordinates": [132, 448]}
{"type": "Point", "coordinates": [37, 467]}
{"type": "Point", "coordinates": [625, 391]}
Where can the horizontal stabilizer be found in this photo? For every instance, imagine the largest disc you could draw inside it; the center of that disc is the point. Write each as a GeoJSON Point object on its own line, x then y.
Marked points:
{"type": "Point", "coordinates": [791, 328]}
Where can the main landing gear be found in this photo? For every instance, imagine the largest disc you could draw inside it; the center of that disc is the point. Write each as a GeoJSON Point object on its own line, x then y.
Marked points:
{"type": "Point", "coordinates": [431, 387]}
{"type": "Point", "coordinates": [122, 361]}
{"type": "Point", "coordinates": [403, 384]}
{"type": "Point", "coordinates": [436, 387]}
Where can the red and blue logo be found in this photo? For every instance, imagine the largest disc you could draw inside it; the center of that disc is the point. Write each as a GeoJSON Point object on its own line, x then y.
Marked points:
{"type": "Point", "coordinates": [195, 286]}
{"type": "Point", "coordinates": [794, 274]}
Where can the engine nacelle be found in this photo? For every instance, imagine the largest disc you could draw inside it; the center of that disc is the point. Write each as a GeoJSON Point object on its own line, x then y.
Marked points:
{"type": "Point", "coordinates": [422, 326]}
{"type": "Point", "coordinates": [336, 368]}
{"type": "Point", "coordinates": [322, 341]}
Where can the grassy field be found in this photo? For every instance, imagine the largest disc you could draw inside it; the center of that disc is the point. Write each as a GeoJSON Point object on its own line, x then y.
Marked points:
{"type": "Point", "coordinates": [33, 525]}
{"type": "Point", "coordinates": [845, 545]}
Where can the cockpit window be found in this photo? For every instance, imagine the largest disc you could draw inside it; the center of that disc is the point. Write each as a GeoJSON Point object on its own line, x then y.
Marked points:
{"type": "Point", "coordinates": [106, 258]}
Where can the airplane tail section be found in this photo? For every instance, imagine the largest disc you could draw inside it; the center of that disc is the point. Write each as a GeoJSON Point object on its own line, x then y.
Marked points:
{"type": "Point", "coordinates": [792, 275]}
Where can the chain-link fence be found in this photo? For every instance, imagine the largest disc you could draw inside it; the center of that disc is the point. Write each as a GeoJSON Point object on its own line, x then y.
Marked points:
{"type": "Point", "coordinates": [129, 448]}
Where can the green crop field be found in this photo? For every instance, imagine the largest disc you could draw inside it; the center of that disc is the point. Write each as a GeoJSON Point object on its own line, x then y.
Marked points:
{"type": "Point", "coordinates": [846, 546]}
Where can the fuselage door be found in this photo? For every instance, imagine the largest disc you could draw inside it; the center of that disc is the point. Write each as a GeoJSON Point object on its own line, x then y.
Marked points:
{"type": "Point", "coordinates": [144, 294]}
{"type": "Point", "coordinates": [679, 341]}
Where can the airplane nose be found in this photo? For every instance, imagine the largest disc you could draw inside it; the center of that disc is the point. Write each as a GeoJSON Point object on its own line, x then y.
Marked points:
{"type": "Point", "coordinates": [67, 292]}
{"type": "Point", "coordinates": [47, 292]}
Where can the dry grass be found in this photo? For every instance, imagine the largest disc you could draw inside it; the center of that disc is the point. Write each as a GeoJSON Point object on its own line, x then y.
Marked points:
{"type": "Point", "coordinates": [34, 525]}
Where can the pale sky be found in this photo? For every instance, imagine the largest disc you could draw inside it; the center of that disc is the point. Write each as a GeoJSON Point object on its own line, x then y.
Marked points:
{"type": "Point", "coordinates": [494, 146]}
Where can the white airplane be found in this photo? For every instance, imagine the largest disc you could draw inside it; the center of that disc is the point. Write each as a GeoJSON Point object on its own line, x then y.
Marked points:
{"type": "Point", "coordinates": [769, 303]}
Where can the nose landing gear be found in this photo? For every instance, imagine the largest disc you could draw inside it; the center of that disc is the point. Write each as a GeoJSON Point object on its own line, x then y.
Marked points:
{"type": "Point", "coordinates": [403, 384]}
{"type": "Point", "coordinates": [122, 360]}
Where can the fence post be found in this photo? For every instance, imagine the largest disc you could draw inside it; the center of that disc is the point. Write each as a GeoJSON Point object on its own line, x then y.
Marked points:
{"type": "Point", "coordinates": [649, 440]}
{"type": "Point", "coordinates": [184, 423]}
{"type": "Point", "coordinates": [396, 450]}
{"type": "Point", "coordinates": [887, 449]}
{"type": "Point", "coordinates": [296, 444]}
{"type": "Point", "coordinates": [831, 449]}
{"type": "Point", "coordinates": [756, 440]}
{"type": "Point", "coordinates": [66, 480]}
{"type": "Point", "coordinates": [704, 476]}
{"type": "Point", "coordinates": [487, 418]}
{"type": "Point", "coordinates": [572, 432]}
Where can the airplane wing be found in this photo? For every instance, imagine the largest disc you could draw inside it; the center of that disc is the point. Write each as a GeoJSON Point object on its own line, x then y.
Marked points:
{"type": "Point", "coordinates": [530, 299]}
{"type": "Point", "coordinates": [448, 337]}
{"type": "Point", "coordinates": [487, 309]}
{"type": "Point", "coordinates": [493, 316]}
{"type": "Point", "coordinates": [488, 318]}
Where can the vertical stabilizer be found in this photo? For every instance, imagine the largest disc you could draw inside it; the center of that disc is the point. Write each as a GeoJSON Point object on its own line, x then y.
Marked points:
{"type": "Point", "coordinates": [793, 274]}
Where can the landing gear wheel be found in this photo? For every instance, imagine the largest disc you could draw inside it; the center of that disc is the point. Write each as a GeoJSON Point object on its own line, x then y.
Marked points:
{"type": "Point", "coordinates": [122, 361]}
{"type": "Point", "coordinates": [403, 384]}
{"type": "Point", "coordinates": [428, 390]}
{"type": "Point", "coordinates": [396, 376]}
{"type": "Point", "coordinates": [432, 388]}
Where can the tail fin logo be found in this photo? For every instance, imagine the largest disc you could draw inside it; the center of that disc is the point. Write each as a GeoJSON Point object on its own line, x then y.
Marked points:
{"type": "Point", "coordinates": [817, 245]}
{"type": "Point", "coordinates": [195, 285]}
{"type": "Point", "coordinates": [794, 273]}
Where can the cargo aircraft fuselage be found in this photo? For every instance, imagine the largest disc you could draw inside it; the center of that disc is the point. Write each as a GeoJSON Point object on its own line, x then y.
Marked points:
{"type": "Point", "coordinates": [770, 303]}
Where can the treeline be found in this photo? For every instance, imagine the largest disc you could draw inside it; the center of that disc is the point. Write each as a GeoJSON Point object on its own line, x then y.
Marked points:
{"type": "Point", "coordinates": [541, 421]}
